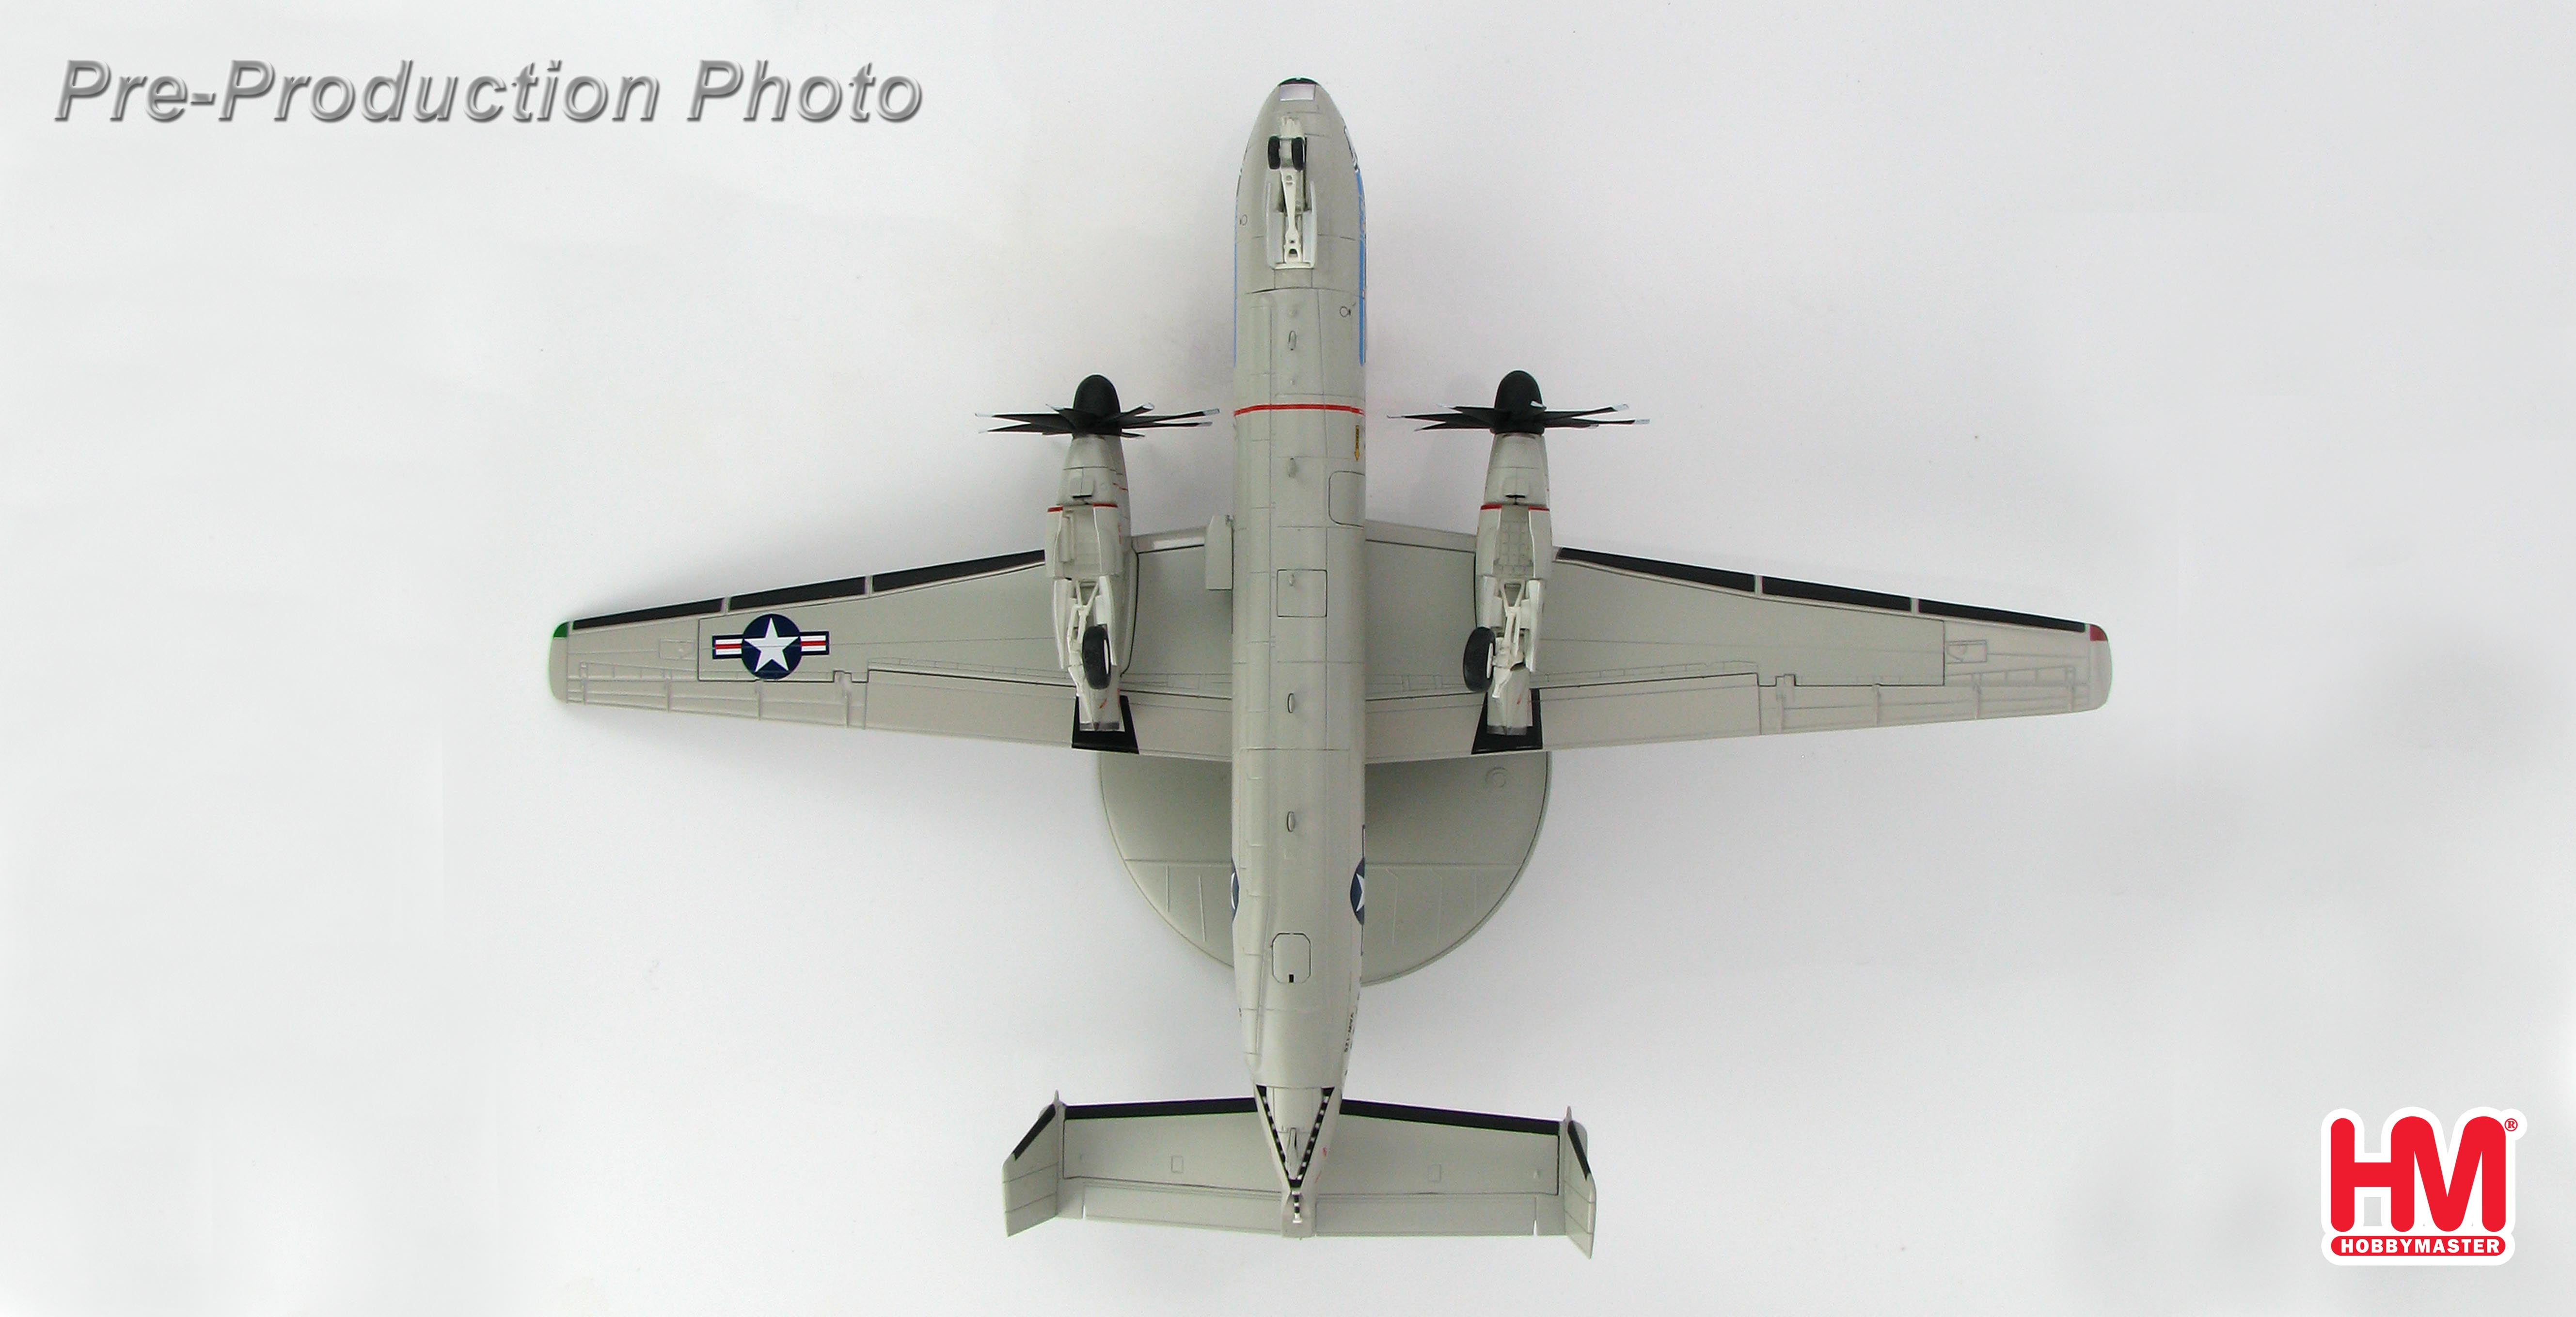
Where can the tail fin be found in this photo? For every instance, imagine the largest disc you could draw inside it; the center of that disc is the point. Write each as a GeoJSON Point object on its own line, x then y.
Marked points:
{"type": "Point", "coordinates": [1392, 1170]}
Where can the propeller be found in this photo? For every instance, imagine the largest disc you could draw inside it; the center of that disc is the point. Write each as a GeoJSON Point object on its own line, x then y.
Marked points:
{"type": "Point", "coordinates": [1094, 411]}
{"type": "Point", "coordinates": [1518, 410]}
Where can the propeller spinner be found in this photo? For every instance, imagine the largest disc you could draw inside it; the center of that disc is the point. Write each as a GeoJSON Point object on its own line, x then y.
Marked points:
{"type": "Point", "coordinates": [1094, 411]}
{"type": "Point", "coordinates": [1517, 409]}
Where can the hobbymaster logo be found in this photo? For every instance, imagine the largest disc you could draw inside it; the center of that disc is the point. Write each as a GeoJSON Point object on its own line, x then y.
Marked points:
{"type": "Point", "coordinates": [2372, 1214]}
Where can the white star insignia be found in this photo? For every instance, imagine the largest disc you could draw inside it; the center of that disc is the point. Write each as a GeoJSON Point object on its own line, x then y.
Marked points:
{"type": "Point", "coordinates": [773, 647]}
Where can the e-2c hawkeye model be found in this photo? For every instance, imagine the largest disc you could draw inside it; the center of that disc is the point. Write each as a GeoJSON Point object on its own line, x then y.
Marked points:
{"type": "Point", "coordinates": [1323, 741]}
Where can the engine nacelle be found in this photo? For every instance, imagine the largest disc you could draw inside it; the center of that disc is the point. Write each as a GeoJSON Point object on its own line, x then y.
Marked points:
{"type": "Point", "coordinates": [1094, 571]}
{"type": "Point", "coordinates": [1515, 550]}
{"type": "Point", "coordinates": [1515, 547]}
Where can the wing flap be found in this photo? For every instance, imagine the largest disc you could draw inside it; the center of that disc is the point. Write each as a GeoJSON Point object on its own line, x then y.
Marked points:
{"type": "Point", "coordinates": [1637, 713]}
{"type": "Point", "coordinates": [1429, 1214]}
{"type": "Point", "coordinates": [1422, 727]}
{"type": "Point", "coordinates": [950, 705]}
{"type": "Point", "coordinates": [1178, 1205]}
{"type": "Point", "coordinates": [1183, 726]}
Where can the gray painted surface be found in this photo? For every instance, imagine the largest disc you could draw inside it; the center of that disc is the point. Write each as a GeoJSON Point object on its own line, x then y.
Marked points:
{"type": "Point", "coordinates": [1292, 682]}
{"type": "Point", "coordinates": [1447, 839]}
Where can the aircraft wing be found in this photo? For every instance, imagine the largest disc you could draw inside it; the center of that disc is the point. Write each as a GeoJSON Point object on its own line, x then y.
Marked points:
{"type": "Point", "coordinates": [1633, 650]}
{"type": "Point", "coordinates": [959, 649]}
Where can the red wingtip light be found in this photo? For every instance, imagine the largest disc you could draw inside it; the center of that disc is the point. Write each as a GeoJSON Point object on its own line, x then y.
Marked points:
{"type": "Point", "coordinates": [2097, 633]}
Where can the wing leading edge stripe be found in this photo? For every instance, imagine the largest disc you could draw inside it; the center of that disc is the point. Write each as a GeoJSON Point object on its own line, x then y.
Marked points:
{"type": "Point", "coordinates": [1677, 571]}
{"type": "Point", "coordinates": [1190, 1107]}
{"type": "Point", "coordinates": [662, 614]}
{"type": "Point", "coordinates": [1034, 1131]}
{"type": "Point", "coordinates": [1000, 562]}
{"type": "Point", "coordinates": [1475, 1120]}
{"type": "Point", "coordinates": [1781, 587]}
{"type": "Point", "coordinates": [1972, 613]}
{"type": "Point", "coordinates": [846, 587]}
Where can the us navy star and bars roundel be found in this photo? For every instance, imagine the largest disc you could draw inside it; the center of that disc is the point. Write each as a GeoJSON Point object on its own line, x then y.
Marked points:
{"type": "Point", "coordinates": [771, 647]}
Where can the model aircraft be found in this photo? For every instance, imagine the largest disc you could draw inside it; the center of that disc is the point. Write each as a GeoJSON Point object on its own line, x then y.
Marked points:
{"type": "Point", "coordinates": [1323, 741]}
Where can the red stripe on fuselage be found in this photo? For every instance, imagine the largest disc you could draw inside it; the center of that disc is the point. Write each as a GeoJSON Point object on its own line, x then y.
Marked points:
{"type": "Point", "coordinates": [1298, 407]}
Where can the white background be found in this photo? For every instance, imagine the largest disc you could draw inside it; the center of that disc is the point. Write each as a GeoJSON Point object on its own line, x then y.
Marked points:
{"type": "Point", "coordinates": [341, 971]}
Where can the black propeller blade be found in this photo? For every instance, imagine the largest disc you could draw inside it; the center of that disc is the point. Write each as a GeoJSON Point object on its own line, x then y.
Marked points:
{"type": "Point", "coordinates": [1518, 410]}
{"type": "Point", "coordinates": [1094, 412]}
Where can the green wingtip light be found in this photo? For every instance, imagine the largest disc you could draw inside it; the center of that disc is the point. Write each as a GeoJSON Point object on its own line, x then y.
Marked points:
{"type": "Point", "coordinates": [562, 629]}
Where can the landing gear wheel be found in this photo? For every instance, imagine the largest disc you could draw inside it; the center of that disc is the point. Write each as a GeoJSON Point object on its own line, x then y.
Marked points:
{"type": "Point", "coordinates": [1479, 660]}
{"type": "Point", "coordinates": [1297, 151]}
{"type": "Point", "coordinates": [1274, 153]}
{"type": "Point", "coordinates": [1095, 658]}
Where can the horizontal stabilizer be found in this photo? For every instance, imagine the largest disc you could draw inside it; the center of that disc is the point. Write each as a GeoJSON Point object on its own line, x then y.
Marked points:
{"type": "Point", "coordinates": [1387, 1170]}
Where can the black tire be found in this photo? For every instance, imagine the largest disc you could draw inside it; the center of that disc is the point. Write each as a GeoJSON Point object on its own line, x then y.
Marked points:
{"type": "Point", "coordinates": [1274, 153]}
{"type": "Point", "coordinates": [1095, 658]}
{"type": "Point", "coordinates": [1297, 151]}
{"type": "Point", "coordinates": [1478, 662]}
